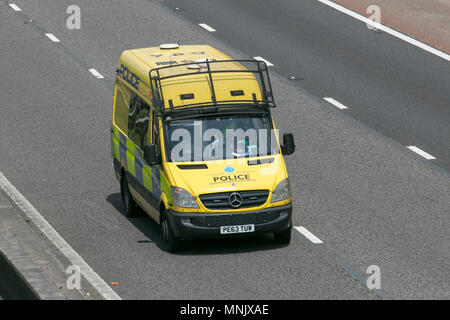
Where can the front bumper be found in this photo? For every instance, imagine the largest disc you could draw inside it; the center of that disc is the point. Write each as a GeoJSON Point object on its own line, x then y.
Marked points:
{"type": "Point", "coordinates": [207, 225]}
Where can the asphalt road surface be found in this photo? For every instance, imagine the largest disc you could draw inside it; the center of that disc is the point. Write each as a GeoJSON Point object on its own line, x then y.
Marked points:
{"type": "Point", "coordinates": [389, 85]}
{"type": "Point", "coordinates": [355, 185]}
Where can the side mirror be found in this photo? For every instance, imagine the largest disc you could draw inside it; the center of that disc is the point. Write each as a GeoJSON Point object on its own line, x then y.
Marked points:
{"type": "Point", "coordinates": [150, 154]}
{"type": "Point", "coordinates": [288, 146]}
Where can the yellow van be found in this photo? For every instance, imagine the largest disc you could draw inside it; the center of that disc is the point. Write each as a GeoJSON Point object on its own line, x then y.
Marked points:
{"type": "Point", "coordinates": [195, 146]}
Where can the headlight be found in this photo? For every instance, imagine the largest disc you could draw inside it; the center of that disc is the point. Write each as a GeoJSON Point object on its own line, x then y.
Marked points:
{"type": "Point", "coordinates": [182, 198]}
{"type": "Point", "coordinates": [282, 191]}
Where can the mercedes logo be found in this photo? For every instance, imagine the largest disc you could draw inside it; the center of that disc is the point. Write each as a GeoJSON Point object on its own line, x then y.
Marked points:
{"type": "Point", "coordinates": [235, 200]}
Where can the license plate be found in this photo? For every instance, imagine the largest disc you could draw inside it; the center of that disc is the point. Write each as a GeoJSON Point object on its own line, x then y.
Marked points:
{"type": "Point", "coordinates": [237, 229]}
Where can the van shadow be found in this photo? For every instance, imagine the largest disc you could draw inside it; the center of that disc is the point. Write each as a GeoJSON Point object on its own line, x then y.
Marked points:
{"type": "Point", "coordinates": [150, 229]}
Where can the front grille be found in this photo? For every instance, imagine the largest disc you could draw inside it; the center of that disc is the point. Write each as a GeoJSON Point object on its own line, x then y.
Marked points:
{"type": "Point", "coordinates": [219, 201]}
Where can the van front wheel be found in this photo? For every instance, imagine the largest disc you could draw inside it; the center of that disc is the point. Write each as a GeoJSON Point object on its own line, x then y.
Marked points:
{"type": "Point", "coordinates": [171, 244]}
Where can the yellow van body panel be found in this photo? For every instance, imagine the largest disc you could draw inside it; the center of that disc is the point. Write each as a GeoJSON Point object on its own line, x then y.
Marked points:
{"type": "Point", "coordinates": [245, 177]}
{"type": "Point", "coordinates": [141, 61]}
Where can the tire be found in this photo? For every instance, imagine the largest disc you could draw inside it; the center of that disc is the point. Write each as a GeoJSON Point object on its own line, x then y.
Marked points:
{"type": "Point", "coordinates": [283, 237]}
{"type": "Point", "coordinates": [130, 206]}
{"type": "Point", "coordinates": [170, 242]}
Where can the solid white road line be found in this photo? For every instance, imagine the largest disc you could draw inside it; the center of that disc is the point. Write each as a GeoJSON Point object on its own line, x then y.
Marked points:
{"type": "Point", "coordinates": [335, 103]}
{"type": "Point", "coordinates": [91, 276]}
{"type": "Point", "coordinates": [392, 32]}
{"type": "Point", "coordinates": [14, 7]}
{"type": "Point", "coordinates": [262, 59]}
{"type": "Point", "coordinates": [421, 152]}
{"type": "Point", "coordinates": [52, 37]}
{"type": "Point", "coordinates": [96, 73]}
{"type": "Point", "coordinates": [308, 235]}
{"type": "Point", "coordinates": [205, 26]}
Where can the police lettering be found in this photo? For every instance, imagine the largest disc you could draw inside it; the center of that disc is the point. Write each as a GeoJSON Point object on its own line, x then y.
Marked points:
{"type": "Point", "coordinates": [129, 77]}
{"type": "Point", "coordinates": [233, 177]}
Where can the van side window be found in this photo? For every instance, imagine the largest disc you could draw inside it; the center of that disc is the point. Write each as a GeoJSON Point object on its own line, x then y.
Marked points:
{"type": "Point", "coordinates": [122, 107]}
{"type": "Point", "coordinates": [138, 120]}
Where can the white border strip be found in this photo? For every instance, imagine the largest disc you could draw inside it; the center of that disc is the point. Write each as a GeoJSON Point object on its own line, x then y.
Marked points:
{"type": "Point", "coordinates": [392, 32]}
{"type": "Point", "coordinates": [308, 235]}
{"type": "Point", "coordinates": [91, 276]}
{"type": "Point", "coordinates": [14, 7]}
{"type": "Point", "coordinates": [269, 64]}
{"type": "Point", "coordinates": [206, 27]}
{"type": "Point", "coordinates": [335, 103]}
{"type": "Point", "coordinates": [421, 152]}
{"type": "Point", "coordinates": [96, 73]}
{"type": "Point", "coordinates": [52, 37]}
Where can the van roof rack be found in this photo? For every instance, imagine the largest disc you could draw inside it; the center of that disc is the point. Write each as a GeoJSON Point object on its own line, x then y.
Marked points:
{"type": "Point", "coordinates": [257, 68]}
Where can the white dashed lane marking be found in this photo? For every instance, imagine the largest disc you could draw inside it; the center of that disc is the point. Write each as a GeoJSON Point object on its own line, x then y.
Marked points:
{"type": "Point", "coordinates": [308, 235]}
{"type": "Point", "coordinates": [335, 103]}
{"type": "Point", "coordinates": [206, 27]}
{"type": "Point", "coordinates": [269, 64]}
{"type": "Point", "coordinates": [421, 152]}
{"type": "Point", "coordinates": [14, 7]}
{"type": "Point", "coordinates": [96, 73]}
{"type": "Point", "coordinates": [52, 37]}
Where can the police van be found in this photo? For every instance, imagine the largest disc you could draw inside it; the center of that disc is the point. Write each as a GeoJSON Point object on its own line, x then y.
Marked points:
{"type": "Point", "coordinates": [195, 147]}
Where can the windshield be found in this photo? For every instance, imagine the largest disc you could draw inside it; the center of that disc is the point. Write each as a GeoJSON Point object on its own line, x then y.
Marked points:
{"type": "Point", "coordinates": [221, 137]}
